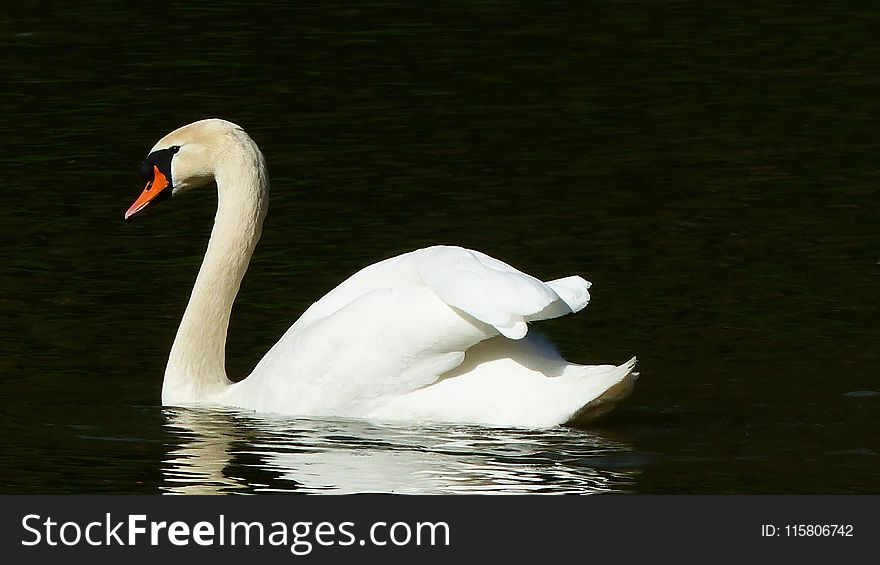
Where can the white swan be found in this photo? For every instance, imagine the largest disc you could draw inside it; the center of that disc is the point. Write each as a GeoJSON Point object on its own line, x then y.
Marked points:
{"type": "Point", "coordinates": [437, 334]}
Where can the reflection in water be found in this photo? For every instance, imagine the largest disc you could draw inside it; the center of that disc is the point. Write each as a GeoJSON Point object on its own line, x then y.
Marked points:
{"type": "Point", "coordinates": [223, 451]}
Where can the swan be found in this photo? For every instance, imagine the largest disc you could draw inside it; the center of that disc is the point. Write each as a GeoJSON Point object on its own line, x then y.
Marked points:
{"type": "Point", "coordinates": [434, 335]}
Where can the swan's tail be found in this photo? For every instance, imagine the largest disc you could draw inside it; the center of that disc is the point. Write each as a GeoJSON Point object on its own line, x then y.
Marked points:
{"type": "Point", "coordinates": [618, 383]}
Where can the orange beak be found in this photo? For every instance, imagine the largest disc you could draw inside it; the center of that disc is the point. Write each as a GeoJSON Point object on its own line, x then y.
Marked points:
{"type": "Point", "coordinates": [151, 193]}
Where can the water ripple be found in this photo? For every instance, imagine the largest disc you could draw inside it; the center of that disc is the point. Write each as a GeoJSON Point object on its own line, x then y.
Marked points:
{"type": "Point", "coordinates": [221, 451]}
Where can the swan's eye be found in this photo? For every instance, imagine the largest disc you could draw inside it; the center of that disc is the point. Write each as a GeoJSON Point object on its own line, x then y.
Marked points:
{"type": "Point", "coordinates": [160, 158]}
{"type": "Point", "coordinates": [146, 171]}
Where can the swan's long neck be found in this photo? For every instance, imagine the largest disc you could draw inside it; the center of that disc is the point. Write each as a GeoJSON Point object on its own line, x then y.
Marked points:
{"type": "Point", "coordinates": [196, 370]}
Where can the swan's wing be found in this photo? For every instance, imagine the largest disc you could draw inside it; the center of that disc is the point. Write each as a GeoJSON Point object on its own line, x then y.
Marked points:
{"type": "Point", "coordinates": [481, 286]}
{"type": "Point", "coordinates": [387, 342]}
{"type": "Point", "coordinates": [496, 293]}
{"type": "Point", "coordinates": [396, 326]}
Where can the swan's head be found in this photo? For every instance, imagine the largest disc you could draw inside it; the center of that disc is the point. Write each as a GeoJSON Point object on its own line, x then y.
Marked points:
{"type": "Point", "coordinates": [185, 158]}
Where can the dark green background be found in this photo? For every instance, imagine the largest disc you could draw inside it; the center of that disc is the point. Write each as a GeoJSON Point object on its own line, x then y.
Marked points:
{"type": "Point", "coordinates": [712, 170]}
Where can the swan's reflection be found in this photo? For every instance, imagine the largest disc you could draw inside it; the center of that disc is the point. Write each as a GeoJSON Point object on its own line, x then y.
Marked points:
{"type": "Point", "coordinates": [221, 451]}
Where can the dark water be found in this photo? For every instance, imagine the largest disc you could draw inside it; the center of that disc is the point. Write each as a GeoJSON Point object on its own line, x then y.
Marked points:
{"type": "Point", "coordinates": [713, 171]}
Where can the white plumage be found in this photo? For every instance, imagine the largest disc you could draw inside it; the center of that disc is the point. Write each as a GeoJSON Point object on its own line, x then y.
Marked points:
{"type": "Point", "coordinates": [437, 334]}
